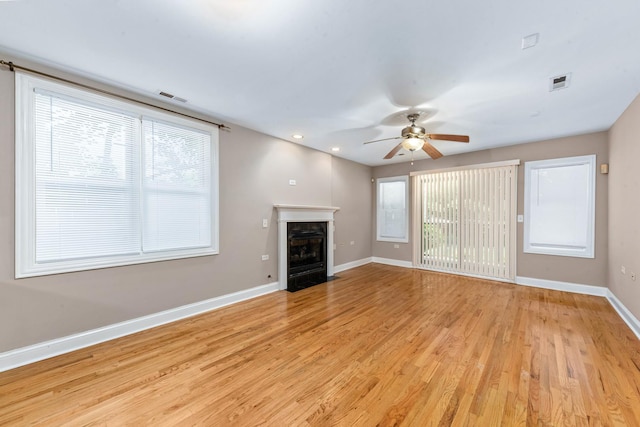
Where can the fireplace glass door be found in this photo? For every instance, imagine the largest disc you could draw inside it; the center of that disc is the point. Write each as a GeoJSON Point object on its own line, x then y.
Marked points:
{"type": "Point", "coordinates": [306, 254]}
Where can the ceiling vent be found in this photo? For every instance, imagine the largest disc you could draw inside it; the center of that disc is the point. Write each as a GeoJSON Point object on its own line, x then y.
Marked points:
{"type": "Point", "coordinates": [170, 96]}
{"type": "Point", "coordinates": [559, 82]}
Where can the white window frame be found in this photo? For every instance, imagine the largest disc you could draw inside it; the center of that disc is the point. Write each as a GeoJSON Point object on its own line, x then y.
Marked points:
{"type": "Point", "coordinates": [25, 233]}
{"type": "Point", "coordinates": [549, 249]}
{"type": "Point", "coordinates": [379, 210]}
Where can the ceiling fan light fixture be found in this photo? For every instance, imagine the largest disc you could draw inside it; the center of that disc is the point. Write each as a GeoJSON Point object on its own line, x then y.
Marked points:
{"type": "Point", "coordinates": [412, 143]}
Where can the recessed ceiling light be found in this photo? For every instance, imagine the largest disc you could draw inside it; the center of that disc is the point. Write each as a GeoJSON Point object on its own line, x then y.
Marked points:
{"type": "Point", "coordinates": [297, 136]}
{"type": "Point", "coordinates": [335, 149]}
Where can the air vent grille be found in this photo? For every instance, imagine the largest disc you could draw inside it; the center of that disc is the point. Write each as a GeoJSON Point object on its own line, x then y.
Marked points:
{"type": "Point", "coordinates": [559, 82]}
{"type": "Point", "coordinates": [171, 96]}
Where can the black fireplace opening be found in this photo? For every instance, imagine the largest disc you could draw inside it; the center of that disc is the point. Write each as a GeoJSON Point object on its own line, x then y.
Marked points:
{"type": "Point", "coordinates": [306, 254]}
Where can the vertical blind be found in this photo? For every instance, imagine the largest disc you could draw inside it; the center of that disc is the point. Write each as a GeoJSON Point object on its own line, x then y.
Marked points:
{"type": "Point", "coordinates": [465, 221]}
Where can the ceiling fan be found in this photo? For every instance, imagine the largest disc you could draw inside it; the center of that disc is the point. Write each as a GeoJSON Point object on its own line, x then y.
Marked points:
{"type": "Point", "coordinates": [415, 138]}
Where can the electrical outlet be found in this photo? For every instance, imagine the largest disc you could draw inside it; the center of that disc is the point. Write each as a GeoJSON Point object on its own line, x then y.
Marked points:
{"type": "Point", "coordinates": [623, 270]}
{"type": "Point", "coordinates": [265, 222]}
{"type": "Point", "coordinates": [265, 257]}
{"type": "Point", "coordinates": [292, 182]}
{"type": "Point", "coordinates": [396, 246]}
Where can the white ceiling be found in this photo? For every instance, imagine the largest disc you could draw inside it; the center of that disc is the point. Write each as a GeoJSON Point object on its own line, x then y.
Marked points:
{"type": "Point", "coordinates": [339, 71]}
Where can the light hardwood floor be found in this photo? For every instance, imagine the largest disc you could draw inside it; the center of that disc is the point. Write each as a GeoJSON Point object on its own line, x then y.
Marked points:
{"type": "Point", "coordinates": [380, 345]}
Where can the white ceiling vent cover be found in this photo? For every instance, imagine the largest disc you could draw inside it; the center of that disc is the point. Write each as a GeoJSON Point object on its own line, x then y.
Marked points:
{"type": "Point", "coordinates": [559, 82]}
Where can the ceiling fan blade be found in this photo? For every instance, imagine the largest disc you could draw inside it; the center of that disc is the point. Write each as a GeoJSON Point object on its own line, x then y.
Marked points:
{"type": "Point", "coordinates": [444, 137]}
{"type": "Point", "coordinates": [384, 139]}
{"type": "Point", "coordinates": [431, 150]}
{"type": "Point", "coordinates": [393, 152]}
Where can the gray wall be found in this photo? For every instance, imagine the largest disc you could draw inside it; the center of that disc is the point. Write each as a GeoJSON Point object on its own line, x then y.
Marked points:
{"type": "Point", "coordinates": [254, 174]}
{"type": "Point", "coordinates": [624, 206]}
{"type": "Point", "coordinates": [351, 186]}
{"type": "Point", "coordinates": [565, 269]}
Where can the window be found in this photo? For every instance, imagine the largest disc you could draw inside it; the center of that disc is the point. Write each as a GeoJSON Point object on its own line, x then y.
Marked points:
{"type": "Point", "coordinates": [559, 206]}
{"type": "Point", "coordinates": [393, 215]}
{"type": "Point", "coordinates": [101, 183]}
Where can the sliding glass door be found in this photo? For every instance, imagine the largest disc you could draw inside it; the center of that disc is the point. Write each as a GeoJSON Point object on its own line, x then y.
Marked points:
{"type": "Point", "coordinates": [464, 220]}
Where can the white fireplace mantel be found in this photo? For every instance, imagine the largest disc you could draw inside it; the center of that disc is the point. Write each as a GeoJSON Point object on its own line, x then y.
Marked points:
{"type": "Point", "coordinates": [302, 213]}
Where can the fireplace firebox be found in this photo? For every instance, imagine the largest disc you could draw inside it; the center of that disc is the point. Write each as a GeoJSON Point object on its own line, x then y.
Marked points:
{"type": "Point", "coordinates": [306, 254]}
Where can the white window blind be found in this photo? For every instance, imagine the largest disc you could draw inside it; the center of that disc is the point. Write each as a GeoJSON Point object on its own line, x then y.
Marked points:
{"type": "Point", "coordinates": [465, 220]}
{"type": "Point", "coordinates": [101, 182]}
{"type": "Point", "coordinates": [392, 212]}
{"type": "Point", "coordinates": [560, 206]}
{"type": "Point", "coordinates": [84, 181]}
{"type": "Point", "coordinates": [177, 203]}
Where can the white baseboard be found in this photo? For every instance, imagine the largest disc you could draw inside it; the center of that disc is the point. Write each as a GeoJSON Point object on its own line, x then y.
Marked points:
{"type": "Point", "coordinates": [562, 286]}
{"type": "Point", "coordinates": [624, 313]}
{"type": "Point", "coordinates": [33, 353]}
{"type": "Point", "coordinates": [352, 264]}
{"type": "Point", "coordinates": [394, 262]}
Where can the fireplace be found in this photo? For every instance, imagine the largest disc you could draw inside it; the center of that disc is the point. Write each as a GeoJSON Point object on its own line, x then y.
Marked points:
{"type": "Point", "coordinates": [306, 233]}
{"type": "Point", "coordinates": [306, 254]}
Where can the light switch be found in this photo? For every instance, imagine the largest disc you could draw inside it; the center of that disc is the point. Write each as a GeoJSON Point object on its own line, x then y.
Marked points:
{"type": "Point", "coordinates": [265, 222]}
{"type": "Point", "coordinates": [520, 218]}
{"type": "Point", "coordinates": [292, 182]}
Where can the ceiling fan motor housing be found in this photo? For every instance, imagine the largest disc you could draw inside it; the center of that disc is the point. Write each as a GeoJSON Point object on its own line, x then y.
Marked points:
{"type": "Point", "coordinates": [413, 132]}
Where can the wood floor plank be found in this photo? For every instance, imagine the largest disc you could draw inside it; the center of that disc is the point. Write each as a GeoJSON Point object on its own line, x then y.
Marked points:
{"type": "Point", "coordinates": [380, 345]}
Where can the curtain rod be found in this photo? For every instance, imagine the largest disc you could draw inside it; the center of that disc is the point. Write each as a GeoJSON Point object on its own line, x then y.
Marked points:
{"type": "Point", "coordinates": [13, 67]}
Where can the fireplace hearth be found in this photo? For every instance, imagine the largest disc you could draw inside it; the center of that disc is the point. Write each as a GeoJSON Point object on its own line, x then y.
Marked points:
{"type": "Point", "coordinates": [306, 254]}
